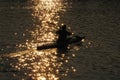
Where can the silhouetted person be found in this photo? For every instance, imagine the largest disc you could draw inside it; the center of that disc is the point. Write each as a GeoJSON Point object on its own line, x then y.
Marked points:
{"type": "Point", "coordinates": [62, 37]}
{"type": "Point", "coordinates": [63, 40]}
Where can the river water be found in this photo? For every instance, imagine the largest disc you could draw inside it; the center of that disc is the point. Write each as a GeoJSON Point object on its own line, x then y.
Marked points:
{"type": "Point", "coordinates": [27, 24]}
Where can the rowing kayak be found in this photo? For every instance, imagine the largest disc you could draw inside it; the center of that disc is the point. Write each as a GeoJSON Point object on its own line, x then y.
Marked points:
{"type": "Point", "coordinates": [72, 40]}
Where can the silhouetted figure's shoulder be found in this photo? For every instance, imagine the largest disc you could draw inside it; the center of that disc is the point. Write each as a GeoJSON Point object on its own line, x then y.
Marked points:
{"type": "Point", "coordinates": [63, 30]}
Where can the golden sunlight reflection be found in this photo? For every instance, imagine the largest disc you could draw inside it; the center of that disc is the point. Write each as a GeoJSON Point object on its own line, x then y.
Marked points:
{"type": "Point", "coordinates": [47, 12]}
{"type": "Point", "coordinates": [41, 65]}
{"type": "Point", "coordinates": [44, 64]}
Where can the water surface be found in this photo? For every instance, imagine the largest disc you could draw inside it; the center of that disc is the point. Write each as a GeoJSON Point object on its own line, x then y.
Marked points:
{"type": "Point", "coordinates": [24, 25]}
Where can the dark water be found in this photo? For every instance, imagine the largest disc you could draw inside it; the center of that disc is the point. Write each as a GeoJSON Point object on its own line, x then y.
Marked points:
{"type": "Point", "coordinates": [23, 25]}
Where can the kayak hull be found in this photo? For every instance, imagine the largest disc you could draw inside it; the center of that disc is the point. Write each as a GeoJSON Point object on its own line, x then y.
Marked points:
{"type": "Point", "coordinates": [75, 39]}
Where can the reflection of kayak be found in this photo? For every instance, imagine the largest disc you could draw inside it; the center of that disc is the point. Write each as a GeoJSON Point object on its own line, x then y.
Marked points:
{"type": "Point", "coordinates": [72, 40]}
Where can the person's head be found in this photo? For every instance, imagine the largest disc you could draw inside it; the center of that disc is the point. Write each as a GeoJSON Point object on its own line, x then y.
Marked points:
{"type": "Point", "coordinates": [63, 27]}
